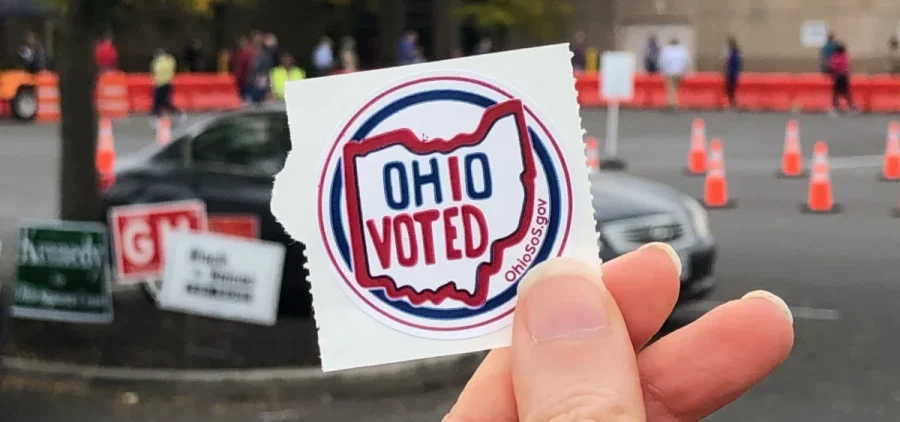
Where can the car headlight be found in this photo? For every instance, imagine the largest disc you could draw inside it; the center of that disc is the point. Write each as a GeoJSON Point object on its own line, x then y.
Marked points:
{"type": "Point", "coordinates": [699, 217]}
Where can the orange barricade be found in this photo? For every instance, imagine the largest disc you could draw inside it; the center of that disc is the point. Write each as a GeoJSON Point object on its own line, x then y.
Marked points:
{"type": "Point", "coordinates": [861, 90]}
{"type": "Point", "coordinates": [809, 92]}
{"type": "Point", "coordinates": [140, 92]}
{"type": "Point", "coordinates": [112, 95]}
{"type": "Point", "coordinates": [192, 92]}
{"type": "Point", "coordinates": [751, 91]}
{"type": "Point", "coordinates": [119, 93]}
{"type": "Point", "coordinates": [884, 94]}
{"type": "Point", "coordinates": [777, 91]}
{"type": "Point", "coordinates": [587, 84]}
{"type": "Point", "coordinates": [47, 97]}
{"type": "Point", "coordinates": [215, 92]}
{"type": "Point", "coordinates": [703, 91]}
{"type": "Point", "coordinates": [650, 91]}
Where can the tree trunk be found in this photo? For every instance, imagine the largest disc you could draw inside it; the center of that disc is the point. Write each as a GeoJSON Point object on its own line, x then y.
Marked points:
{"type": "Point", "coordinates": [391, 22]}
{"type": "Point", "coordinates": [446, 29]}
{"type": "Point", "coordinates": [78, 193]}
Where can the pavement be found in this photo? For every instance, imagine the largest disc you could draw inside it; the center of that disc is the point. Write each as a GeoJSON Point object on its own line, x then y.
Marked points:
{"type": "Point", "coordinates": [839, 273]}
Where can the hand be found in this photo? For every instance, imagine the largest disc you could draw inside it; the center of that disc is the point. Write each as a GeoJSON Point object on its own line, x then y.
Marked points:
{"type": "Point", "coordinates": [578, 350]}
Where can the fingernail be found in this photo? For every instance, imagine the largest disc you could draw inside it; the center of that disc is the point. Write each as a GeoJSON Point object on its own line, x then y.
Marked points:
{"type": "Point", "coordinates": [563, 298]}
{"type": "Point", "coordinates": [771, 297]}
{"type": "Point", "coordinates": [676, 260]}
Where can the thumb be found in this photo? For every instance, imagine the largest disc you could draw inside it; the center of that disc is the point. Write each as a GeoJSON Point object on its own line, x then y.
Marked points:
{"type": "Point", "coordinates": [572, 358]}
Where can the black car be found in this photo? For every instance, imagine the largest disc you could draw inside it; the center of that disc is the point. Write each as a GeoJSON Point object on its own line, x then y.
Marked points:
{"type": "Point", "coordinates": [229, 162]}
{"type": "Point", "coordinates": [630, 212]}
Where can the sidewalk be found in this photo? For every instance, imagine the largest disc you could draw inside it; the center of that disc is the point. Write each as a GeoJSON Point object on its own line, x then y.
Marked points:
{"type": "Point", "coordinates": [25, 400]}
{"type": "Point", "coordinates": [142, 336]}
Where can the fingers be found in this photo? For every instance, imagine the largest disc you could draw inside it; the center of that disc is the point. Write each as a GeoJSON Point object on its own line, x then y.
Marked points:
{"type": "Point", "coordinates": [702, 367]}
{"type": "Point", "coordinates": [645, 285]}
{"type": "Point", "coordinates": [572, 358]}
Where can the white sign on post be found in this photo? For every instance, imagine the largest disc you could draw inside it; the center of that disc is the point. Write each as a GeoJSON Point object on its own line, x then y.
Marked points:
{"type": "Point", "coordinates": [814, 33]}
{"type": "Point", "coordinates": [617, 85]}
{"type": "Point", "coordinates": [618, 76]}
{"type": "Point", "coordinates": [222, 276]}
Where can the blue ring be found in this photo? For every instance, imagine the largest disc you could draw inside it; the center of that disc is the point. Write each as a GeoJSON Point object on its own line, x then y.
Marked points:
{"type": "Point", "coordinates": [429, 312]}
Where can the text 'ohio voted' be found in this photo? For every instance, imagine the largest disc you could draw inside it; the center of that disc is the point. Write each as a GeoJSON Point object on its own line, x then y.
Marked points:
{"type": "Point", "coordinates": [441, 224]}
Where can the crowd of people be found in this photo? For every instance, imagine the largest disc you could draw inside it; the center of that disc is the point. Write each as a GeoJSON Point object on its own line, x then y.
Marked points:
{"type": "Point", "coordinates": [261, 68]}
{"type": "Point", "coordinates": [673, 62]}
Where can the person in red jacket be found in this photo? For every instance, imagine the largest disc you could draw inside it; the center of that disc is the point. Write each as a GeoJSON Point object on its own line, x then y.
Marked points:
{"type": "Point", "coordinates": [106, 57]}
{"type": "Point", "coordinates": [243, 61]}
{"type": "Point", "coordinates": [839, 67]}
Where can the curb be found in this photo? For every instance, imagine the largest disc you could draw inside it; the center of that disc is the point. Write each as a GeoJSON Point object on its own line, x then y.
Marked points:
{"type": "Point", "coordinates": [427, 374]}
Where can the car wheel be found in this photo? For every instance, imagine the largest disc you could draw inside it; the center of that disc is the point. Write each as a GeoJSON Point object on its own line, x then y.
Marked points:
{"type": "Point", "coordinates": [24, 106]}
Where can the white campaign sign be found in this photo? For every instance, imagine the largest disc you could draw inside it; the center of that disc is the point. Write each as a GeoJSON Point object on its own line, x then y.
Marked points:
{"type": "Point", "coordinates": [222, 277]}
{"type": "Point", "coordinates": [618, 76]}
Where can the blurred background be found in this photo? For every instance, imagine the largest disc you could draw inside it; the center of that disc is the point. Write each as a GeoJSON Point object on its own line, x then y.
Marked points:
{"type": "Point", "coordinates": [761, 141]}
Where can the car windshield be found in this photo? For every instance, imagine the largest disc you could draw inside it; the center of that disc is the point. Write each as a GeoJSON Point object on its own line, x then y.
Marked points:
{"type": "Point", "coordinates": [246, 142]}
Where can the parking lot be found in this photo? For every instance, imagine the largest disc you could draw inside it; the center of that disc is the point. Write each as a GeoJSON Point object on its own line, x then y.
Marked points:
{"type": "Point", "coordinates": [839, 272]}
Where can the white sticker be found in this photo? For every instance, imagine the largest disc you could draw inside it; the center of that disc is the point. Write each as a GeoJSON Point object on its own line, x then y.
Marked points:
{"type": "Point", "coordinates": [424, 193]}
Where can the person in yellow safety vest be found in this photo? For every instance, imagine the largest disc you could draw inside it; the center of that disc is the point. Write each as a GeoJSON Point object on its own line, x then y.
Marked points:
{"type": "Point", "coordinates": [286, 71]}
{"type": "Point", "coordinates": [162, 69]}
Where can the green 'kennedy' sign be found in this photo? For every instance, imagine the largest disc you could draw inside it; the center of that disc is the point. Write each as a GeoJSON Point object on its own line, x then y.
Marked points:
{"type": "Point", "coordinates": [62, 273]}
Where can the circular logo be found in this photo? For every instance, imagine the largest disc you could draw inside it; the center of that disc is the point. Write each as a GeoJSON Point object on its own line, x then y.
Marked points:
{"type": "Point", "coordinates": [435, 199]}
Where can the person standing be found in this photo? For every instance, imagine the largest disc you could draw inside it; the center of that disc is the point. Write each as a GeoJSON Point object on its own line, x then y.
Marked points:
{"type": "Point", "coordinates": [285, 72]}
{"type": "Point", "coordinates": [323, 57]}
{"type": "Point", "coordinates": [271, 43]}
{"type": "Point", "coordinates": [408, 49]}
{"type": "Point", "coordinates": [193, 56]}
{"type": "Point", "coordinates": [349, 59]}
{"type": "Point", "coordinates": [732, 70]}
{"type": "Point", "coordinates": [106, 57]}
{"type": "Point", "coordinates": [651, 55]}
{"type": "Point", "coordinates": [485, 46]}
{"type": "Point", "coordinates": [243, 61]}
{"type": "Point", "coordinates": [839, 66]}
{"type": "Point", "coordinates": [825, 54]}
{"type": "Point", "coordinates": [579, 52]}
{"type": "Point", "coordinates": [894, 56]}
{"type": "Point", "coordinates": [33, 57]}
{"type": "Point", "coordinates": [162, 69]}
{"type": "Point", "coordinates": [259, 70]}
{"type": "Point", "coordinates": [674, 61]}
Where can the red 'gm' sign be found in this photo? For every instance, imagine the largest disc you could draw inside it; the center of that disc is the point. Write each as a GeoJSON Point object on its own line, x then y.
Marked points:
{"type": "Point", "coordinates": [138, 233]}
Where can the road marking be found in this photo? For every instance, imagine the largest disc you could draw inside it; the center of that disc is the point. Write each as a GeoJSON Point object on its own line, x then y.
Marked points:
{"type": "Point", "coordinates": [799, 312]}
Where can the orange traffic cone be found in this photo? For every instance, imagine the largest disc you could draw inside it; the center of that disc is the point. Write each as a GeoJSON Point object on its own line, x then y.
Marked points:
{"type": "Point", "coordinates": [820, 198]}
{"type": "Point", "coordinates": [105, 157]}
{"type": "Point", "coordinates": [592, 154]}
{"type": "Point", "coordinates": [890, 170]}
{"type": "Point", "coordinates": [792, 156]}
{"type": "Point", "coordinates": [163, 130]}
{"type": "Point", "coordinates": [715, 188]}
{"type": "Point", "coordinates": [696, 160]}
{"type": "Point", "coordinates": [106, 154]}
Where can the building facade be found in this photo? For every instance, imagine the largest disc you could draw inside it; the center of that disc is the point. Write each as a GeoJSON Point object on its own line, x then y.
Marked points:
{"type": "Point", "coordinates": [770, 32]}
